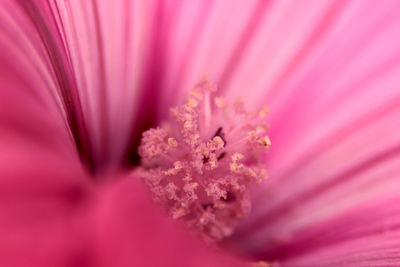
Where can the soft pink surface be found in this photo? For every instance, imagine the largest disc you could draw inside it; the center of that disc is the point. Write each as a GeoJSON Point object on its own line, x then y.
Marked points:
{"type": "Point", "coordinates": [95, 73]}
{"type": "Point", "coordinates": [52, 213]}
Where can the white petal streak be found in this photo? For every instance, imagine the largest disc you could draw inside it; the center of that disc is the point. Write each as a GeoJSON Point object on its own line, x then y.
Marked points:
{"type": "Point", "coordinates": [107, 42]}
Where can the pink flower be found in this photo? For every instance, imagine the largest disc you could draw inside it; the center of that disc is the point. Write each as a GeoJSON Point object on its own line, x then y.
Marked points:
{"type": "Point", "coordinates": [82, 80]}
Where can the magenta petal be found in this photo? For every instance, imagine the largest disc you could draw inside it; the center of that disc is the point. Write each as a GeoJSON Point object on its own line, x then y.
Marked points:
{"type": "Point", "coordinates": [35, 69]}
{"type": "Point", "coordinates": [42, 182]}
{"type": "Point", "coordinates": [130, 231]}
{"type": "Point", "coordinates": [42, 185]}
{"type": "Point", "coordinates": [366, 236]}
{"type": "Point", "coordinates": [335, 144]}
{"type": "Point", "coordinates": [113, 47]}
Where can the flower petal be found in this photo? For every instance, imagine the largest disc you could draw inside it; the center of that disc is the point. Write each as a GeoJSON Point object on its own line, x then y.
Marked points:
{"type": "Point", "coordinates": [115, 50]}
{"type": "Point", "coordinates": [366, 236]}
{"type": "Point", "coordinates": [335, 146]}
{"type": "Point", "coordinates": [42, 181]}
{"type": "Point", "coordinates": [34, 63]}
{"type": "Point", "coordinates": [129, 231]}
{"type": "Point", "coordinates": [134, 60]}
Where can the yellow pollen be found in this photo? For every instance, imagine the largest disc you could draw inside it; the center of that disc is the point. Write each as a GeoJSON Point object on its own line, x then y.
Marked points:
{"type": "Point", "coordinates": [263, 112]}
{"type": "Point", "coordinates": [234, 167]}
{"type": "Point", "coordinates": [237, 157]}
{"type": "Point", "coordinates": [219, 142]}
{"type": "Point", "coordinates": [172, 142]}
{"type": "Point", "coordinates": [220, 102]}
{"type": "Point", "coordinates": [196, 94]}
{"type": "Point", "coordinates": [194, 139]}
{"type": "Point", "coordinates": [252, 173]}
{"type": "Point", "coordinates": [213, 161]}
{"type": "Point", "coordinates": [188, 125]}
{"type": "Point", "coordinates": [190, 186]}
{"type": "Point", "coordinates": [265, 141]}
{"type": "Point", "coordinates": [260, 129]}
{"type": "Point", "coordinates": [173, 171]}
{"type": "Point", "coordinates": [192, 103]}
{"type": "Point", "coordinates": [178, 165]}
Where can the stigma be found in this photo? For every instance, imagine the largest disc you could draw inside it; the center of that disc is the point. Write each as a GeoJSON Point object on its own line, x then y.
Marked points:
{"type": "Point", "coordinates": [201, 163]}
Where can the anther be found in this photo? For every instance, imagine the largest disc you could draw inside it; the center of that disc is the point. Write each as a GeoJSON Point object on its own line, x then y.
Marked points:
{"type": "Point", "coordinates": [202, 176]}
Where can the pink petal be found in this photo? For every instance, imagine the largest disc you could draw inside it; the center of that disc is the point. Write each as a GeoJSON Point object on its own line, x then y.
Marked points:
{"type": "Point", "coordinates": [33, 61]}
{"type": "Point", "coordinates": [42, 181]}
{"type": "Point", "coordinates": [115, 51]}
{"type": "Point", "coordinates": [333, 120]}
{"type": "Point", "coordinates": [129, 231]}
{"type": "Point", "coordinates": [365, 236]}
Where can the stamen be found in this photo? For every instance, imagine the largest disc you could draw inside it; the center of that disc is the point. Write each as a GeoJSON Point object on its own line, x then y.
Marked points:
{"type": "Point", "coordinates": [221, 135]}
{"type": "Point", "coordinates": [200, 165]}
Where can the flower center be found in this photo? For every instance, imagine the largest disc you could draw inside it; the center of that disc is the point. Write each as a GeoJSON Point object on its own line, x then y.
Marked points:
{"type": "Point", "coordinates": [200, 165]}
